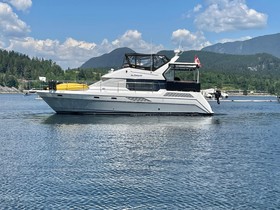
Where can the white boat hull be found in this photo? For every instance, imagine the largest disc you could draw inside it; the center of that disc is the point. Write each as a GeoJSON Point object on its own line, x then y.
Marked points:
{"type": "Point", "coordinates": [161, 102]}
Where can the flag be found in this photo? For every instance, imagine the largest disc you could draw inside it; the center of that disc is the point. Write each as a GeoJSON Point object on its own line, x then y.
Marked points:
{"type": "Point", "coordinates": [43, 79]}
{"type": "Point", "coordinates": [197, 61]}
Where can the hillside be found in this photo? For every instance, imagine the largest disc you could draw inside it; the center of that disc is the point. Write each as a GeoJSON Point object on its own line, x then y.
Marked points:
{"type": "Point", "coordinates": [258, 63]}
{"type": "Point", "coordinates": [113, 59]}
{"type": "Point", "coordinates": [15, 67]}
{"type": "Point", "coordinates": [263, 44]}
{"type": "Point", "coordinates": [261, 63]}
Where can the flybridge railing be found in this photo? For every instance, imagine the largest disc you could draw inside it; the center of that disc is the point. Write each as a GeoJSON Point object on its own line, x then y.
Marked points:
{"type": "Point", "coordinates": [184, 66]}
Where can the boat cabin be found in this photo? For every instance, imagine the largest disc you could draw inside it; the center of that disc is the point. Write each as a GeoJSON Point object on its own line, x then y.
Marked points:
{"type": "Point", "coordinates": [182, 77]}
{"type": "Point", "coordinates": [179, 76]}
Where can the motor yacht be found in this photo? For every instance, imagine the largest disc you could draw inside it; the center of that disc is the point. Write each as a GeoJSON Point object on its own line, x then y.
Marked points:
{"type": "Point", "coordinates": [146, 84]}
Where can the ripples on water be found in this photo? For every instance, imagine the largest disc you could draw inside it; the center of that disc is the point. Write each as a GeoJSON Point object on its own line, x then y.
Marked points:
{"type": "Point", "coordinates": [227, 161]}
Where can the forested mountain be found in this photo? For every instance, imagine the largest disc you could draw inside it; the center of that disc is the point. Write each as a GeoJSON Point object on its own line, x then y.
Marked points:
{"type": "Point", "coordinates": [16, 66]}
{"type": "Point", "coordinates": [263, 44]}
{"type": "Point", "coordinates": [260, 63]}
{"type": "Point", "coordinates": [113, 59]}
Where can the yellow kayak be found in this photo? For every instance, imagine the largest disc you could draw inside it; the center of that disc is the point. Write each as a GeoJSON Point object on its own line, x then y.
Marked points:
{"type": "Point", "coordinates": [71, 86]}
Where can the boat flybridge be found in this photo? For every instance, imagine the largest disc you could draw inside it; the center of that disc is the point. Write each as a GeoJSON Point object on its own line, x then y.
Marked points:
{"type": "Point", "coordinates": [146, 84]}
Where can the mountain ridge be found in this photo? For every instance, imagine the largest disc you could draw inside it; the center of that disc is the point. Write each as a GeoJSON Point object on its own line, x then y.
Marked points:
{"type": "Point", "coordinates": [262, 44]}
{"type": "Point", "coordinates": [211, 61]}
{"type": "Point", "coordinates": [109, 60]}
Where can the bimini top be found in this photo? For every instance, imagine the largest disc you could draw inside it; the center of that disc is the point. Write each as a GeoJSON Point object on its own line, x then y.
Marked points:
{"type": "Point", "coordinates": [149, 62]}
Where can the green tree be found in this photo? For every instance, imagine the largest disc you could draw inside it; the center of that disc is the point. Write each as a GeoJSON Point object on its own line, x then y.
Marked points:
{"type": "Point", "coordinates": [11, 81]}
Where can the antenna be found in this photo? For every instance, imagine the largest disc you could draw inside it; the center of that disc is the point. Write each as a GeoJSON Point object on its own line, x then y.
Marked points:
{"type": "Point", "coordinates": [151, 66]}
{"type": "Point", "coordinates": [180, 45]}
{"type": "Point", "coordinates": [179, 51]}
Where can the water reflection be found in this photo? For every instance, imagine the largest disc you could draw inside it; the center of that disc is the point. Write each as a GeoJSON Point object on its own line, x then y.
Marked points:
{"type": "Point", "coordinates": [119, 119]}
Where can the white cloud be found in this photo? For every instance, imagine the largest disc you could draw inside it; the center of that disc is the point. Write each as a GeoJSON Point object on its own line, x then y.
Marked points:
{"type": "Point", "coordinates": [229, 15]}
{"type": "Point", "coordinates": [189, 41]}
{"type": "Point", "coordinates": [190, 13]}
{"type": "Point", "coordinates": [10, 24]}
{"type": "Point", "coordinates": [233, 40]}
{"type": "Point", "coordinates": [20, 4]}
{"type": "Point", "coordinates": [133, 39]}
{"type": "Point", "coordinates": [73, 53]}
{"type": "Point", "coordinates": [197, 8]}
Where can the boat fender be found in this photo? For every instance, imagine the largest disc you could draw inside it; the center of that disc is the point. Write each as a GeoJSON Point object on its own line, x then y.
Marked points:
{"type": "Point", "coordinates": [218, 95]}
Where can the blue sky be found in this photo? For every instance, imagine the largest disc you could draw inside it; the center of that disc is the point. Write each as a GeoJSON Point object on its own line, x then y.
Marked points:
{"type": "Point", "coordinates": [71, 31]}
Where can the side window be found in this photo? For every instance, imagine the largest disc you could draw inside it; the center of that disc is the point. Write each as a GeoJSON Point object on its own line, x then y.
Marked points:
{"type": "Point", "coordinates": [169, 75]}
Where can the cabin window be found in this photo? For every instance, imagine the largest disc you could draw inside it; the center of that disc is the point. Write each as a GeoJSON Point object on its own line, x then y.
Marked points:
{"type": "Point", "coordinates": [160, 61]}
{"type": "Point", "coordinates": [145, 85]}
{"type": "Point", "coordinates": [169, 75]}
{"type": "Point", "coordinates": [180, 75]}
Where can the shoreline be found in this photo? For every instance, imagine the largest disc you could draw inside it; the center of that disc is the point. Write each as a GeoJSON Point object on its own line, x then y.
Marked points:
{"type": "Point", "coordinates": [9, 90]}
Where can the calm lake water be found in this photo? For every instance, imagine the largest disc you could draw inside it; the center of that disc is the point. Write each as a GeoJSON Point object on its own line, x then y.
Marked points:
{"type": "Point", "coordinates": [228, 161]}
